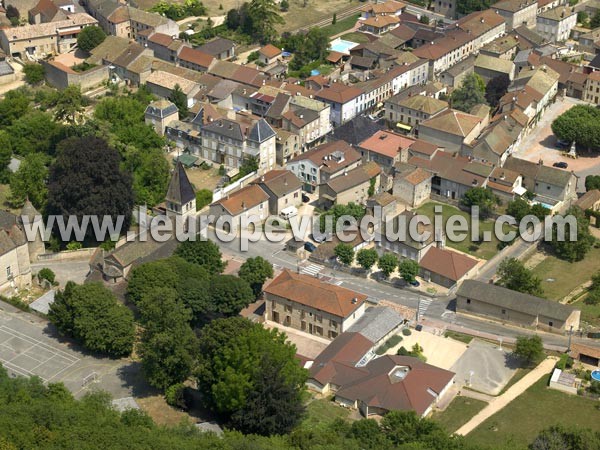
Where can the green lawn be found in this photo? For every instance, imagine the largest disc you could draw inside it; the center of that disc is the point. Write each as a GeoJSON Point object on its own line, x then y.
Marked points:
{"type": "Point", "coordinates": [459, 412]}
{"type": "Point", "coordinates": [589, 313]}
{"type": "Point", "coordinates": [559, 277]}
{"type": "Point", "coordinates": [485, 250]}
{"type": "Point", "coordinates": [341, 25]}
{"type": "Point", "coordinates": [359, 38]}
{"type": "Point", "coordinates": [324, 410]}
{"type": "Point", "coordinates": [537, 408]}
{"type": "Point", "coordinates": [462, 337]}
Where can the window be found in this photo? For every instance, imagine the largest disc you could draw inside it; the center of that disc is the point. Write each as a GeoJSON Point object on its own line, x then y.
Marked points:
{"type": "Point", "coordinates": [550, 324]}
{"type": "Point", "coordinates": [8, 273]}
{"type": "Point", "coordinates": [288, 308]}
{"type": "Point", "coordinates": [503, 311]}
{"type": "Point", "coordinates": [333, 324]}
{"type": "Point", "coordinates": [468, 301]}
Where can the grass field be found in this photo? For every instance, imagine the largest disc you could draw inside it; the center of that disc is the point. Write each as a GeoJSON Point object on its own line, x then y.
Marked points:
{"type": "Point", "coordinates": [299, 16]}
{"type": "Point", "coordinates": [560, 277]}
{"type": "Point", "coordinates": [341, 25]}
{"type": "Point", "coordinates": [485, 250]}
{"type": "Point", "coordinates": [458, 412]}
{"type": "Point", "coordinates": [537, 408]}
{"type": "Point", "coordinates": [324, 410]}
{"type": "Point", "coordinates": [359, 38]}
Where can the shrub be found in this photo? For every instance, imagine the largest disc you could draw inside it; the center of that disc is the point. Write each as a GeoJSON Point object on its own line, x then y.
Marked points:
{"type": "Point", "coordinates": [174, 395]}
{"type": "Point", "coordinates": [16, 302]}
{"type": "Point", "coordinates": [406, 331]}
{"type": "Point", "coordinates": [403, 352]}
{"type": "Point", "coordinates": [46, 274]}
{"type": "Point", "coordinates": [74, 245]}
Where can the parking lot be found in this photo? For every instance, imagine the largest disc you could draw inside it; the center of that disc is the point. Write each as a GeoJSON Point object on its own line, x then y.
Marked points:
{"type": "Point", "coordinates": [541, 144]}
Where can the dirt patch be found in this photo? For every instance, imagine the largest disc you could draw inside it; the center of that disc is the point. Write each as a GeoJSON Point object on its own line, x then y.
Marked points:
{"type": "Point", "coordinates": [535, 259]}
{"type": "Point", "coordinates": [162, 414]}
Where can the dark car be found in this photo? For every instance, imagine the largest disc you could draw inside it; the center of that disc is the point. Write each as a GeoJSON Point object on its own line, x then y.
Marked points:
{"type": "Point", "coordinates": [309, 247]}
{"type": "Point", "coordinates": [562, 144]}
{"type": "Point", "coordinates": [560, 165]}
{"type": "Point", "coordinates": [305, 198]}
{"type": "Point", "coordinates": [415, 283]}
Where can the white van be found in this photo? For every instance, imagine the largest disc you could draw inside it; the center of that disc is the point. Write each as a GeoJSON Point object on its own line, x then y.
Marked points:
{"type": "Point", "coordinates": [288, 212]}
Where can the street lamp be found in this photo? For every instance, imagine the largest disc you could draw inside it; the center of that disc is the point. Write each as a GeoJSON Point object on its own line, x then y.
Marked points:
{"type": "Point", "coordinates": [471, 373]}
{"type": "Point", "coordinates": [570, 336]}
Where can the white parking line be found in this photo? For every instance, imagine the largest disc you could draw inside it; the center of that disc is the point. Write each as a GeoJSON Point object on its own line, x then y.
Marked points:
{"type": "Point", "coordinates": [37, 342]}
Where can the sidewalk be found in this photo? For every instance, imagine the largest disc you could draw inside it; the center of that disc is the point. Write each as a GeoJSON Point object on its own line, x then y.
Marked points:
{"type": "Point", "coordinates": [513, 392]}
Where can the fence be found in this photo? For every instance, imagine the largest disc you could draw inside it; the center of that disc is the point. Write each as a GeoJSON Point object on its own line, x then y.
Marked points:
{"type": "Point", "coordinates": [219, 193]}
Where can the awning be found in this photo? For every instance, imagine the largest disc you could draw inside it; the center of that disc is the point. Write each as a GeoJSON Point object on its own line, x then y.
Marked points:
{"type": "Point", "coordinates": [403, 127]}
{"type": "Point", "coordinates": [519, 190]}
{"type": "Point", "coordinates": [186, 159]}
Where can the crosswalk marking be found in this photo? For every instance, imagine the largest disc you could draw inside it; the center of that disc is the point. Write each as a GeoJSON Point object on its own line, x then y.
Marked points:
{"type": "Point", "coordinates": [311, 269]}
{"type": "Point", "coordinates": [423, 305]}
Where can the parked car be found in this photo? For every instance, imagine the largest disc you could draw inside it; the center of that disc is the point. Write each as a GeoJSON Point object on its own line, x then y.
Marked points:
{"type": "Point", "coordinates": [415, 283]}
{"type": "Point", "coordinates": [560, 165]}
{"type": "Point", "coordinates": [309, 247]}
{"type": "Point", "coordinates": [562, 144]}
{"type": "Point", "coordinates": [305, 198]}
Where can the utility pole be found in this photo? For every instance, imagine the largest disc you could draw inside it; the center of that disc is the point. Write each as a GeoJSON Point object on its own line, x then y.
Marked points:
{"type": "Point", "coordinates": [570, 336]}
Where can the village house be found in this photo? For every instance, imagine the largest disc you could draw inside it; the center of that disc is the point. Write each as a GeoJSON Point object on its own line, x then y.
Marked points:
{"type": "Point", "coordinates": [455, 75]}
{"type": "Point", "coordinates": [307, 304]}
{"type": "Point", "coordinates": [496, 142]}
{"type": "Point", "coordinates": [504, 47]}
{"type": "Point", "coordinates": [283, 188]}
{"type": "Point", "coordinates": [406, 113]}
{"type": "Point", "coordinates": [165, 47]}
{"type": "Point", "coordinates": [356, 185]}
{"type": "Point", "coordinates": [248, 201]}
{"type": "Point", "coordinates": [160, 114]}
{"type": "Point", "coordinates": [385, 148]}
{"type": "Point", "coordinates": [446, 267]}
{"type": "Point", "coordinates": [162, 84]}
{"type": "Point", "coordinates": [517, 13]}
{"type": "Point", "coordinates": [489, 67]}
{"type": "Point", "coordinates": [194, 59]}
{"type": "Point", "coordinates": [220, 48]}
{"type": "Point", "coordinates": [555, 25]}
{"type": "Point", "coordinates": [44, 38]}
{"type": "Point", "coordinates": [47, 11]}
{"type": "Point", "coordinates": [592, 88]}
{"type": "Point", "coordinates": [268, 54]}
{"type": "Point", "coordinates": [452, 129]}
{"type": "Point", "coordinates": [327, 161]}
{"type": "Point", "coordinates": [412, 184]}
{"type": "Point", "coordinates": [287, 146]}
{"type": "Point", "coordinates": [506, 184]}
{"type": "Point", "coordinates": [508, 306]}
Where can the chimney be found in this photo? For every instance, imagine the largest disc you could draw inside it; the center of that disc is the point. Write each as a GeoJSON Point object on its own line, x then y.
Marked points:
{"type": "Point", "coordinates": [541, 162]}
{"type": "Point", "coordinates": [243, 205]}
{"type": "Point", "coordinates": [354, 301]}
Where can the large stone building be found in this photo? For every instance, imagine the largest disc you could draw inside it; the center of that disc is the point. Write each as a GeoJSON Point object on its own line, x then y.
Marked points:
{"type": "Point", "coordinates": [500, 303]}
{"type": "Point", "coordinates": [313, 306]}
{"type": "Point", "coordinates": [556, 24]}
{"type": "Point", "coordinates": [517, 12]}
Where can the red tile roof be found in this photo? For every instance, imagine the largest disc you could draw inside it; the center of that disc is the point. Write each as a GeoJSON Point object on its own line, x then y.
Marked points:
{"type": "Point", "coordinates": [339, 93]}
{"type": "Point", "coordinates": [195, 56]}
{"type": "Point", "coordinates": [447, 263]}
{"type": "Point", "coordinates": [270, 51]}
{"type": "Point", "coordinates": [386, 143]}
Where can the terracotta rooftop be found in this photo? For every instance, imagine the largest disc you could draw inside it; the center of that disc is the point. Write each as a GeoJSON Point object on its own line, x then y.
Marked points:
{"type": "Point", "coordinates": [339, 93]}
{"type": "Point", "coordinates": [244, 199]}
{"type": "Point", "coordinates": [453, 122]}
{"type": "Point", "coordinates": [447, 263]}
{"type": "Point", "coordinates": [386, 143]}
{"type": "Point", "coordinates": [311, 292]}
{"type": "Point", "coordinates": [195, 56]}
{"type": "Point", "coordinates": [270, 51]}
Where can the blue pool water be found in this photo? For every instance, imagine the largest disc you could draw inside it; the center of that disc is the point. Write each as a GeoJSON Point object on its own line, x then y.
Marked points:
{"type": "Point", "coordinates": [596, 375]}
{"type": "Point", "coordinates": [314, 73]}
{"type": "Point", "coordinates": [342, 46]}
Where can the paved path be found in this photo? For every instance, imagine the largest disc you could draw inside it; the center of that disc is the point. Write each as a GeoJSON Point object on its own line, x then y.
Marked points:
{"type": "Point", "coordinates": [513, 392]}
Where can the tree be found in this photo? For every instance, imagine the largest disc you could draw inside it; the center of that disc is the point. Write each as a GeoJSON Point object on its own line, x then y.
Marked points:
{"type": "Point", "coordinates": [582, 17]}
{"type": "Point", "coordinates": [87, 166]}
{"type": "Point", "coordinates": [482, 197]}
{"type": "Point", "coordinates": [235, 357]}
{"type": "Point", "coordinates": [408, 269]}
{"type": "Point", "coordinates": [5, 156]}
{"type": "Point", "coordinates": [530, 348]}
{"type": "Point", "coordinates": [465, 7]}
{"type": "Point", "coordinates": [496, 88]}
{"type": "Point", "coordinates": [46, 274]}
{"type": "Point", "coordinates": [514, 275]}
{"type": "Point", "coordinates": [595, 22]}
{"type": "Point", "coordinates": [69, 104]}
{"type": "Point", "coordinates": [559, 437]}
{"type": "Point", "coordinates": [16, 104]}
{"type": "Point", "coordinates": [367, 257]}
{"type": "Point", "coordinates": [205, 253]}
{"type": "Point", "coordinates": [540, 211]}
{"type": "Point", "coordinates": [573, 250]}
{"type": "Point", "coordinates": [91, 314]}
{"type": "Point", "coordinates": [344, 253]}
{"type": "Point", "coordinates": [334, 19]}
{"type": "Point", "coordinates": [284, 5]}
{"type": "Point", "coordinates": [90, 37]}
{"type": "Point", "coordinates": [255, 271]}
{"type": "Point", "coordinates": [592, 182]}
{"type": "Point", "coordinates": [29, 181]}
{"type": "Point", "coordinates": [263, 17]}
{"type": "Point", "coordinates": [580, 124]}
{"type": "Point", "coordinates": [229, 295]}
{"type": "Point", "coordinates": [34, 73]}
{"type": "Point", "coordinates": [387, 263]}
{"type": "Point", "coordinates": [180, 100]}
{"type": "Point", "coordinates": [203, 197]}
{"type": "Point", "coordinates": [424, 19]}
{"type": "Point", "coordinates": [470, 93]}
{"type": "Point", "coordinates": [13, 14]}
{"type": "Point", "coordinates": [351, 209]}
{"type": "Point", "coordinates": [518, 208]}
{"type": "Point", "coordinates": [35, 132]}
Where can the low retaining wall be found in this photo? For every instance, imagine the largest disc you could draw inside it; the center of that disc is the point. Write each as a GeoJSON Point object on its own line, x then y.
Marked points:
{"type": "Point", "coordinates": [84, 253]}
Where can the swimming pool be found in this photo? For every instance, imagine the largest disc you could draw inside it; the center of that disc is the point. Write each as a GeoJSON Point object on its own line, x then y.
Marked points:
{"type": "Point", "coordinates": [596, 375]}
{"type": "Point", "coordinates": [342, 46]}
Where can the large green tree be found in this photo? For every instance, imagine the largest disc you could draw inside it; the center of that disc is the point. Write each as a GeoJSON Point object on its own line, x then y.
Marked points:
{"type": "Point", "coordinates": [16, 104]}
{"type": "Point", "coordinates": [35, 132]}
{"type": "Point", "coordinates": [205, 253]}
{"type": "Point", "coordinates": [69, 105]}
{"type": "Point", "coordinates": [408, 269]}
{"type": "Point", "coordinates": [264, 16]}
{"type": "Point", "coordinates": [496, 88]}
{"type": "Point", "coordinates": [86, 179]}
{"type": "Point", "coordinates": [90, 37]}
{"type": "Point", "coordinates": [514, 275]}
{"type": "Point", "coordinates": [470, 93]}
{"type": "Point", "coordinates": [592, 182]}
{"type": "Point", "coordinates": [255, 271]}
{"type": "Point", "coordinates": [387, 263]}
{"type": "Point", "coordinates": [29, 181]}
{"type": "Point", "coordinates": [580, 124]}
{"type": "Point", "coordinates": [234, 357]}
{"type": "Point", "coordinates": [91, 314]}
{"type": "Point", "coordinates": [530, 348]}
{"type": "Point", "coordinates": [573, 250]}
{"type": "Point", "coordinates": [481, 197]}
{"type": "Point", "coordinates": [180, 100]}
{"type": "Point", "coordinates": [367, 257]}
{"type": "Point", "coordinates": [5, 156]}
{"type": "Point", "coordinates": [34, 73]}
{"type": "Point", "coordinates": [344, 253]}
{"type": "Point", "coordinates": [229, 295]}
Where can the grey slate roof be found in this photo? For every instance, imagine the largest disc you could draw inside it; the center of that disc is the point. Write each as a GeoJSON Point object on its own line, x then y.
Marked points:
{"type": "Point", "coordinates": [516, 301]}
{"type": "Point", "coordinates": [180, 189]}
{"type": "Point", "coordinates": [217, 46]}
{"type": "Point", "coordinates": [5, 68]}
{"type": "Point", "coordinates": [226, 127]}
{"type": "Point", "coordinates": [261, 131]}
{"type": "Point", "coordinates": [161, 108]}
{"type": "Point", "coordinates": [376, 323]}
{"type": "Point", "coordinates": [357, 130]}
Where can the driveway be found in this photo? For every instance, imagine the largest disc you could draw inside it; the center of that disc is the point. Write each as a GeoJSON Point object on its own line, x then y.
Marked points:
{"type": "Point", "coordinates": [70, 270]}
{"type": "Point", "coordinates": [484, 367]}
{"type": "Point", "coordinates": [541, 145]}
